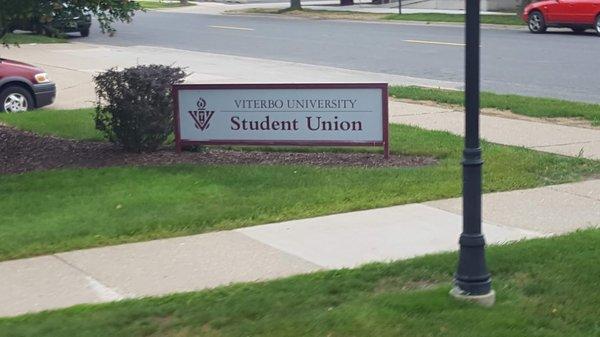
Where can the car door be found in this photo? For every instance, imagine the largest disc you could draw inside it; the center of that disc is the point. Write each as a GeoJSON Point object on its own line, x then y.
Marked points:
{"type": "Point", "coordinates": [578, 11]}
{"type": "Point", "coordinates": [589, 10]}
{"type": "Point", "coordinates": [559, 12]}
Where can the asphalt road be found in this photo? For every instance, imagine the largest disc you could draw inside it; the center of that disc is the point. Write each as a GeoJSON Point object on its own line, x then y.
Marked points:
{"type": "Point", "coordinates": [560, 64]}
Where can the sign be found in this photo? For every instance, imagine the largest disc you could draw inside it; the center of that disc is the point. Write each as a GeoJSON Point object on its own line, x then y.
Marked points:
{"type": "Point", "coordinates": [348, 114]}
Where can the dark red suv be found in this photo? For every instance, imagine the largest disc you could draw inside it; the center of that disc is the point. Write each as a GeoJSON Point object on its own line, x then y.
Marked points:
{"type": "Point", "coordinates": [24, 87]}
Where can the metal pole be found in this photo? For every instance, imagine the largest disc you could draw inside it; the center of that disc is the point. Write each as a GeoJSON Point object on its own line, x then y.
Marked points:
{"type": "Point", "coordinates": [472, 278]}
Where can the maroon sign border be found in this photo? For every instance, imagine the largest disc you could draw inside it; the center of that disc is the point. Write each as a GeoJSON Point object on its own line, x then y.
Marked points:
{"type": "Point", "coordinates": [180, 143]}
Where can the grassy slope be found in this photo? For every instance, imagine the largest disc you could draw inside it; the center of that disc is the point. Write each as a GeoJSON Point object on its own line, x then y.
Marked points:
{"type": "Point", "coordinates": [12, 38]}
{"type": "Point", "coordinates": [528, 106]}
{"type": "Point", "coordinates": [512, 20]}
{"type": "Point", "coordinates": [61, 210]}
{"type": "Point", "coordinates": [546, 287]}
{"type": "Point", "coordinates": [162, 4]}
{"type": "Point", "coordinates": [71, 124]}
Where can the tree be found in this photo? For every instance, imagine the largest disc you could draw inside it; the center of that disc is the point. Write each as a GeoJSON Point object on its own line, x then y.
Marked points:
{"type": "Point", "coordinates": [12, 12]}
{"type": "Point", "coordinates": [295, 4]}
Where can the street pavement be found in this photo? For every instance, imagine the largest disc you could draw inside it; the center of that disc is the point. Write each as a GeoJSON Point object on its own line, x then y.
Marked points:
{"type": "Point", "coordinates": [278, 250]}
{"type": "Point", "coordinates": [558, 64]}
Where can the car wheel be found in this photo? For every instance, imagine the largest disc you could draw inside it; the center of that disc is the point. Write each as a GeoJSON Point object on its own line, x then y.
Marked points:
{"type": "Point", "coordinates": [537, 23]}
{"type": "Point", "coordinates": [85, 32]}
{"type": "Point", "coordinates": [598, 24]}
{"type": "Point", "coordinates": [15, 99]}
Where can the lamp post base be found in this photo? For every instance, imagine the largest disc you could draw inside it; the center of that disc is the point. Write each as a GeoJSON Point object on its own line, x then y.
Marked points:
{"type": "Point", "coordinates": [486, 300]}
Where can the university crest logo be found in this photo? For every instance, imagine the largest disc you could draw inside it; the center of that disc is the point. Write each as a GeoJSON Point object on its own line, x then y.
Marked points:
{"type": "Point", "coordinates": [201, 116]}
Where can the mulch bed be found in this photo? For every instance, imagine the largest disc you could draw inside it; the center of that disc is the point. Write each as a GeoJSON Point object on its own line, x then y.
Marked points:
{"type": "Point", "coordinates": [22, 151]}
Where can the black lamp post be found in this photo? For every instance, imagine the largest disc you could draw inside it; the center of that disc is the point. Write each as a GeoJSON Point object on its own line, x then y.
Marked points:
{"type": "Point", "coordinates": [472, 279]}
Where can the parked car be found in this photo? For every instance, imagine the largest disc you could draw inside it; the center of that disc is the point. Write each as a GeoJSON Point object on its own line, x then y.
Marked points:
{"type": "Point", "coordinates": [67, 21]}
{"type": "Point", "coordinates": [24, 87]}
{"type": "Point", "coordinates": [578, 15]}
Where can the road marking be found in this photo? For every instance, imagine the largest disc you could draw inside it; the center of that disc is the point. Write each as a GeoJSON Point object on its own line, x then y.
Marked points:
{"type": "Point", "coordinates": [229, 27]}
{"type": "Point", "coordinates": [435, 42]}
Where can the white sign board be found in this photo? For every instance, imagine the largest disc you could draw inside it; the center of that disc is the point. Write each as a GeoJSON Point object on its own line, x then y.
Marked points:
{"type": "Point", "coordinates": [282, 114]}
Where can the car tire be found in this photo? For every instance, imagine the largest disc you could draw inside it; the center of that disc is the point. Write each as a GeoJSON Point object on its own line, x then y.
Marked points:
{"type": "Point", "coordinates": [536, 22]}
{"type": "Point", "coordinates": [85, 32]}
{"type": "Point", "coordinates": [16, 99]}
{"type": "Point", "coordinates": [597, 25]}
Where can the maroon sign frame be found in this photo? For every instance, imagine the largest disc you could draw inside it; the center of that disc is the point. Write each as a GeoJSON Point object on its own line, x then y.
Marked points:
{"type": "Point", "coordinates": [180, 143]}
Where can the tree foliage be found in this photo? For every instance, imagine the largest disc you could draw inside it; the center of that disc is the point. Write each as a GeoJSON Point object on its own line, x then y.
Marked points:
{"type": "Point", "coordinates": [106, 11]}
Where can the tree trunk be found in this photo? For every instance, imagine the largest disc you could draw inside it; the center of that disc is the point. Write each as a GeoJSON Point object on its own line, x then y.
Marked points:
{"type": "Point", "coordinates": [295, 4]}
{"type": "Point", "coordinates": [184, 2]}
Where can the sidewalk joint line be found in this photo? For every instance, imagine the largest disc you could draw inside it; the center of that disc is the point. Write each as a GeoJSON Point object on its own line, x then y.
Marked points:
{"type": "Point", "coordinates": [103, 291]}
{"type": "Point", "coordinates": [555, 189]}
{"type": "Point", "coordinates": [564, 144]}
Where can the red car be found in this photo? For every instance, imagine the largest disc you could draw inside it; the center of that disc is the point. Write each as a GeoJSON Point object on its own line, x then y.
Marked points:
{"type": "Point", "coordinates": [24, 87]}
{"type": "Point", "coordinates": [578, 15]}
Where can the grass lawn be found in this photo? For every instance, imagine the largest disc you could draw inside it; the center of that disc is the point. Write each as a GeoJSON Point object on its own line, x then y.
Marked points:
{"type": "Point", "coordinates": [71, 124]}
{"type": "Point", "coordinates": [24, 38]}
{"type": "Point", "coordinates": [522, 105]}
{"type": "Point", "coordinates": [545, 288]}
{"type": "Point", "coordinates": [158, 4]}
{"type": "Point", "coordinates": [513, 20]}
{"type": "Point", "coordinates": [45, 212]}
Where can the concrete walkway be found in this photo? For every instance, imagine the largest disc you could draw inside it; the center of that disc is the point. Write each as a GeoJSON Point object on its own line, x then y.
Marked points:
{"type": "Point", "coordinates": [277, 250]}
{"type": "Point", "coordinates": [75, 89]}
{"type": "Point", "coordinates": [533, 134]}
{"type": "Point", "coordinates": [73, 65]}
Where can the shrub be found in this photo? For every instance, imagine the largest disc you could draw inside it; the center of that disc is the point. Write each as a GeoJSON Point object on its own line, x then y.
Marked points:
{"type": "Point", "coordinates": [134, 107]}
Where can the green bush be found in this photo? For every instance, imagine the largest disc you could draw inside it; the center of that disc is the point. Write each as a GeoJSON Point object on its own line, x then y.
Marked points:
{"type": "Point", "coordinates": [134, 108]}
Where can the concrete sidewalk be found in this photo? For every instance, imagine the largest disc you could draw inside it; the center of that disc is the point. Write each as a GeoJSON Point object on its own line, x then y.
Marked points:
{"type": "Point", "coordinates": [537, 135]}
{"type": "Point", "coordinates": [277, 250]}
{"type": "Point", "coordinates": [73, 65]}
{"type": "Point", "coordinates": [75, 89]}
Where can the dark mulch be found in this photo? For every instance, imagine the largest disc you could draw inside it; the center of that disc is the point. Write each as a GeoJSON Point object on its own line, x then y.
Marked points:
{"type": "Point", "coordinates": [22, 151]}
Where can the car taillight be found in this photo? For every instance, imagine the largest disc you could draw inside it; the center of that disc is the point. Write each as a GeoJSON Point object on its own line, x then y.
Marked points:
{"type": "Point", "coordinates": [42, 78]}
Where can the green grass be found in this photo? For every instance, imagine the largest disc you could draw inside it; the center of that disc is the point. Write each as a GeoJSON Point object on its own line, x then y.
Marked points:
{"type": "Point", "coordinates": [23, 38]}
{"type": "Point", "coordinates": [545, 288]}
{"type": "Point", "coordinates": [71, 124]}
{"type": "Point", "coordinates": [162, 4]}
{"type": "Point", "coordinates": [496, 19]}
{"type": "Point", "coordinates": [46, 212]}
{"type": "Point", "coordinates": [522, 105]}
{"type": "Point", "coordinates": [512, 20]}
